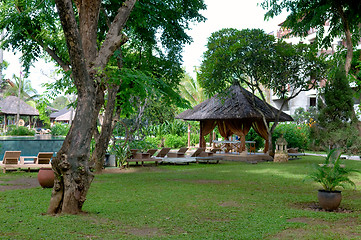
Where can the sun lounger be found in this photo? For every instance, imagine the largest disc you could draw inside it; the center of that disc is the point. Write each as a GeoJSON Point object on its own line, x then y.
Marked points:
{"type": "Point", "coordinates": [180, 154]}
{"type": "Point", "coordinates": [11, 160]}
{"type": "Point", "coordinates": [152, 151]}
{"type": "Point", "coordinates": [43, 158]}
{"type": "Point", "coordinates": [141, 157]}
{"type": "Point", "coordinates": [197, 152]}
{"type": "Point", "coordinates": [162, 153]}
{"type": "Point", "coordinates": [200, 152]}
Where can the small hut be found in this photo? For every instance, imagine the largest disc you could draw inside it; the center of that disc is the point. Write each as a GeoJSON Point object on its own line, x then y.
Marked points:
{"type": "Point", "coordinates": [234, 111]}
{"type": "Point", "coordinates": [9, 107]}
{"type": "Point", "coordinates": [64, 115]}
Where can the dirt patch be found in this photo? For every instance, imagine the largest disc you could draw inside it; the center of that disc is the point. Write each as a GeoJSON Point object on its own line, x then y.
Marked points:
{"type": "Point", "coordinates": [313, 206]}
{"type": "Point", "coordinates": [19, 183]}
{"type": "Point", "coordinates": [149, 168]}
{"type": "Point", "coordinates": [344, 228]}
{"type": "Point", "coordinates": [229, 204]}
{"type": "Point", "coordinates": [144, 232]}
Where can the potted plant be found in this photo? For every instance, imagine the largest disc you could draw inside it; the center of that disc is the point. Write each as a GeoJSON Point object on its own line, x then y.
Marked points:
{"type": "Point", "coordinates": [331, 175]}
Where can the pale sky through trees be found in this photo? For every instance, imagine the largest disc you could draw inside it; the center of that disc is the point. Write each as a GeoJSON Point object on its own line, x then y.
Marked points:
{"type": "Point", "coordinates": [238, 14]}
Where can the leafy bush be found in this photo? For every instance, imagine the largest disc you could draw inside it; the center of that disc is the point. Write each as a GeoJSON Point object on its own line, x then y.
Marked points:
{"type": "Point", "coordinates": [174, 141]}
{"type": "Point", "coordinates": [60, 129]}
{"type": "Point", "coordinates": [343, 137]}
{"type": "Point", "coordinates": [155, 141]}
{"type": "Point", "coordinates": [297, 136]}
{"type": "Point", "coordinates": [194, 139]}
{"type": "Point", "coordinates": [177, 127]}
{"type": "Point", "coordinates": [19, 131]}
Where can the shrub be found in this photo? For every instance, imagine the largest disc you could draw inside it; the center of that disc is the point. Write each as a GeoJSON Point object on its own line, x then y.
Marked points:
{"type": "Point", "coordinates": [174, 141]}
{"type": "Point", "coordinates": [344, 137]}
{"type": "Point", "coordinates": [155, 141]}
{"type": "Point", "coordinates": [194, 139]}
{"type": "Point", "coordinates": [60, 129]}
{"type": "Point", "coordinates": [297, 136]}
{"type": "Point", "coordinates": [20, 131]}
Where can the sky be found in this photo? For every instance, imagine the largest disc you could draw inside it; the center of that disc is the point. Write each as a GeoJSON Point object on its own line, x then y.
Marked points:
{"type": "Point", "coordinates": [239, 14]}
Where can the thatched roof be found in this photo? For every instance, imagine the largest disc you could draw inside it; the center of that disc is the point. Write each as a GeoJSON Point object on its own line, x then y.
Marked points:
{"type": "Point", "coordinates": [9, 106]}
{"type": "Point", "coordinates": [63, 115]}
{"type": "Point", "coordinates": [236, 103]}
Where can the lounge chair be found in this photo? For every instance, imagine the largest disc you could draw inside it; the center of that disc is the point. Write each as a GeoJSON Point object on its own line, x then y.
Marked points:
{"type": "Point", "coordinates": [11, 160]}
{"type": "Point", "coordinates": [141, 157]}
{"type": "Point", "coordinates": [162, 153]}
{"type": "Point", "coordinates": [205, 154]}
{"type": "Point", "coordinates": [197, 152]}
{"type": "Point", "coordinates": [43, 158]}
{"type": "Point", "coordinates": [152, 151]}
{"type": "Point", "coordinates": [202, 156]}
{"type": "Point", "coordinates": [181, 152]}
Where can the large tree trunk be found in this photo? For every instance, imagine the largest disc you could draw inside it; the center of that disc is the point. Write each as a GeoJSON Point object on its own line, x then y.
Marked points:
{"type": "Point", "coordinates": [71, 165]}
{"type": "Point", "coordinates": [72, 174]}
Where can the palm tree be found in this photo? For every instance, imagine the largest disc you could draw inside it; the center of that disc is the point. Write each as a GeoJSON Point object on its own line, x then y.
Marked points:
{"type": "Point", "coordinates": [191, 90]}
{"type": "Point", "coordinates": [26, 93]}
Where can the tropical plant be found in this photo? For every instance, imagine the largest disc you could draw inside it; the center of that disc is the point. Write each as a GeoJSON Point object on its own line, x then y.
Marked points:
{"type": "Point", "coordinates": [332, 173]}
{"type": "Point", "coordinates": [19, 131]}
{"type": "Point", "coordinates": [60, 129]}
{"type": "Point", "coordinates": [27, 92]}
{"type": "Point", "coordinates": [191, 90]}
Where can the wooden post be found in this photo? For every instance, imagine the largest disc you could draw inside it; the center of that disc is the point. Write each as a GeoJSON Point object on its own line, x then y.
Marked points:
{"type": "Point", "coordinates": [189, 135]}
{"type": "Point", "coordinates": [214, 138]}
{"type": "Point", "coordinates": [5, 122]}
{"type": "Point", "coordinates": [210, 138]}
{"type": "Point", "coordinates": [200, 134]}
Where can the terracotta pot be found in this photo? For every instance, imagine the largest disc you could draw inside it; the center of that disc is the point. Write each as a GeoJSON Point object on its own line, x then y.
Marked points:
{"type": "Point", "coordinates": [329, 200]}
{"type": "Point", "coordinates": [46, 177]}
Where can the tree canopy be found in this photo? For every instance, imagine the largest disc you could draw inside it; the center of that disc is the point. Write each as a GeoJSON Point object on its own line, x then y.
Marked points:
{"type": "Point", "coordinates": [342, 16]}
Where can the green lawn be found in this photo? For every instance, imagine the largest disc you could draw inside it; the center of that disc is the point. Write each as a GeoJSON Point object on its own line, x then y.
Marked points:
{"type": "Point", "coordinates": [200, 201]}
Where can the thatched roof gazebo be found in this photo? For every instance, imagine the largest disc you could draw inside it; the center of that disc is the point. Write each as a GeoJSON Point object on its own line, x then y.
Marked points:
{"type": "Point", "coordinates": [234, 112]}
{"type": "Point", "coordinates": [9, 106]}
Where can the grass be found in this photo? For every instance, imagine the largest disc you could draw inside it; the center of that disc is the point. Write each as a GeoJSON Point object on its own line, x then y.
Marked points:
{"type": "Point", "coordinates": [231, 200]}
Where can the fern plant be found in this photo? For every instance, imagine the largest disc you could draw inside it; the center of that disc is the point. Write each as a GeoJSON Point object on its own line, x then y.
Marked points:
{"type": "Point", "coordinates": [332, 173]}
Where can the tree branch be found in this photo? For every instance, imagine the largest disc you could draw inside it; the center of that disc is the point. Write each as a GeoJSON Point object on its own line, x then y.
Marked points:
{"type": "Point", "coordinates": [114, 38]}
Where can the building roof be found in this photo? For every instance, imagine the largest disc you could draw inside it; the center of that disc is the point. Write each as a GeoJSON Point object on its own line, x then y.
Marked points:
{"type": "Point", "coordinates": [235, 103]}
{"type": "Point", "coordinates": [63, 114]}
{"type": "Point", "coordinates": [9, 106]}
